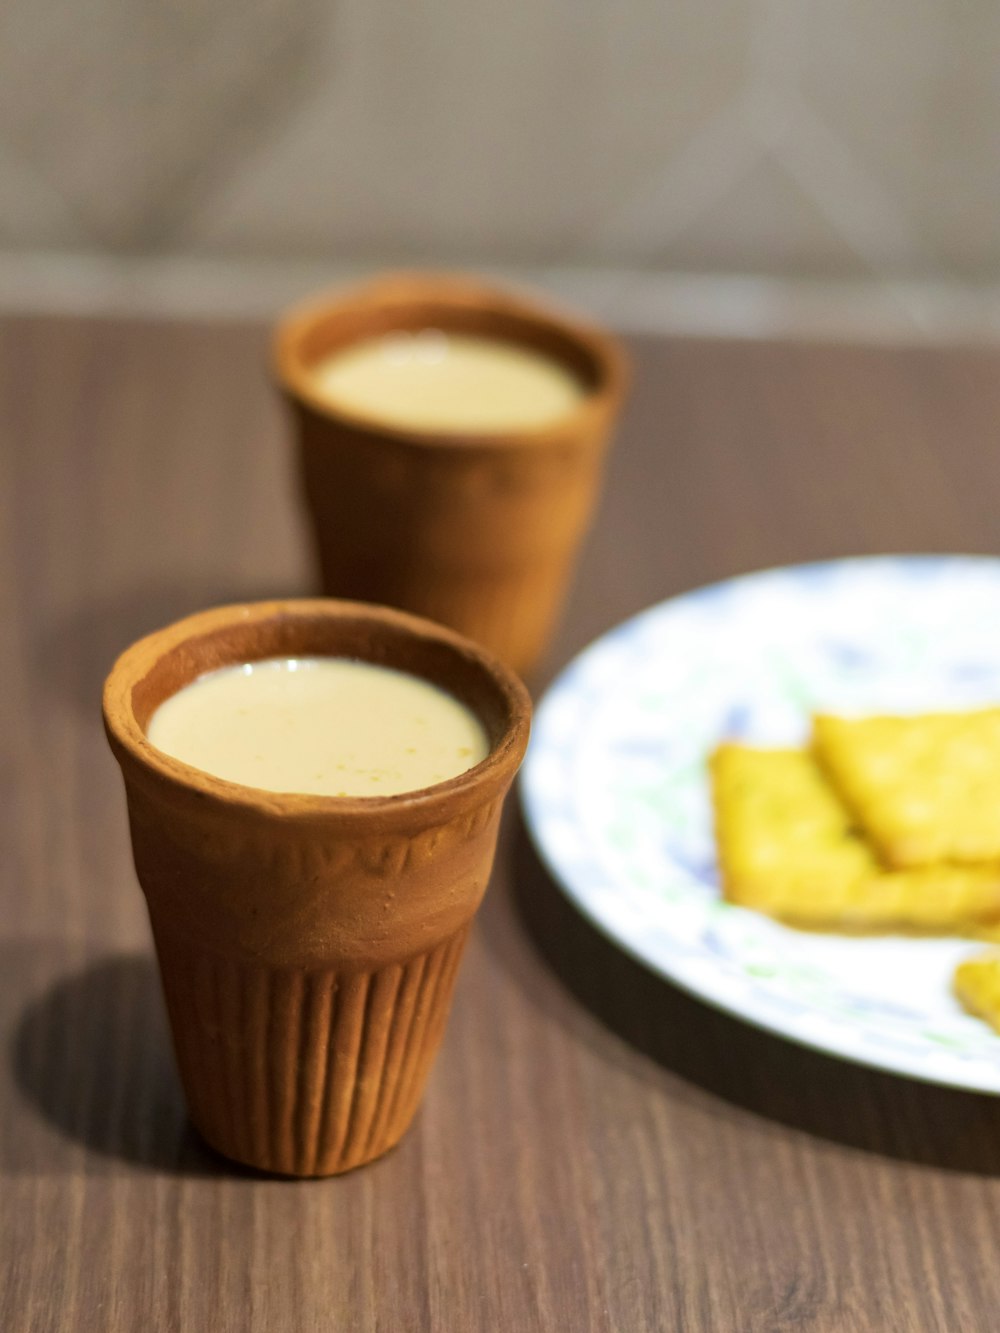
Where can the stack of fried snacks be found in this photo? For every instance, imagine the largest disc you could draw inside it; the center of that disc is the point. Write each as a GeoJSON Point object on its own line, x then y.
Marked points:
{"type": "Point", "coordinates": [883, 824]}
{"type": "Point", "coordinates": [925, 790]}
{"type": "Point", "coordinates": [788, 846]}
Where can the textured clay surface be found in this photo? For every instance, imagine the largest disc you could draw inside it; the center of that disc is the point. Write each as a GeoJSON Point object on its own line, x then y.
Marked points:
{"type": "Point", "coordinates": [308, 945]}
{"type": "Point", "coordinates": [476, 531]}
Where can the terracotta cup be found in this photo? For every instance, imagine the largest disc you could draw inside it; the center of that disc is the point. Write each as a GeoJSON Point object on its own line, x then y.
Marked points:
{"type": "Point", "coordinates": [477, 531]}
{"type": "Point", "coordinates": [308, 945]}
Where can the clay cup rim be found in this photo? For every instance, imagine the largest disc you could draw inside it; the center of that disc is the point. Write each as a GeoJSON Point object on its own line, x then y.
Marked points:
{"type": "Point", "coordinates": [157, 666]}
{"type": "Point", "coordinates": [408, 301]}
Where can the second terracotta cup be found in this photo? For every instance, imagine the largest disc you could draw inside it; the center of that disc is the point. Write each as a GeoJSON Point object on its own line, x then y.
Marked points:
{"type": "Point", "coordinates": [477, 531]}
{"type": "Point", "coordinates": [308, 945]}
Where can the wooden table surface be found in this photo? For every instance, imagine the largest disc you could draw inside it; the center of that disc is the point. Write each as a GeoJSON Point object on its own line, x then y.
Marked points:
{"type": "Point", "coordinates": [596, 1150]}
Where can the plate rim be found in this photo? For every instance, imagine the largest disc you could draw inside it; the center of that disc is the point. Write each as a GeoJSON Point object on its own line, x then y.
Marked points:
{"type": "Point", "coordinates": [962, 1073]}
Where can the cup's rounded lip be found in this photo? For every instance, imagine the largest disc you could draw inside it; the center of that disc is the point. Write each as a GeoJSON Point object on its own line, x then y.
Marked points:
{"type": "Point", "coordinates": [461, 292]}
{"type": "Point", "coordinates": [128, 738]}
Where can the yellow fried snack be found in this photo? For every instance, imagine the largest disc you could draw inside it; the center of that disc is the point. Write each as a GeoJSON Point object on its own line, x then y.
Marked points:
{"type": "Point", "coordinates": [925, 789]}
{"type": "Point", "coordinates": [787, 846]}
{"type": "Point", "coordinates": [977, 985]}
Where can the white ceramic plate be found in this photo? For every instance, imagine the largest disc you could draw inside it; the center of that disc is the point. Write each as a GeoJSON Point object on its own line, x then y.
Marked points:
{"type": "Point", "coordinates": [616, 799]}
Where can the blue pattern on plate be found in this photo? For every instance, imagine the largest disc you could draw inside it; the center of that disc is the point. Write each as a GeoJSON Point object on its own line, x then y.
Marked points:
{"type": "Point", "coordinates": [614, 789]}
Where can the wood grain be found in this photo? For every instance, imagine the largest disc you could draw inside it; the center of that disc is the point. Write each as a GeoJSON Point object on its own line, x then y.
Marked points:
{"type": "Point", "coordinates": [596, 1151]}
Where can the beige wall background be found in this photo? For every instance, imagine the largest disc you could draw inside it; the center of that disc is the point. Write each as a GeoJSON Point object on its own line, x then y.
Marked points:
{"type": "Point", "coordinates": [839, 139]}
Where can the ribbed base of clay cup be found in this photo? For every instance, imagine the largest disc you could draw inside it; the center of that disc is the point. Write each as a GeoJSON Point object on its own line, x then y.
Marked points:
{"type": "Point", "coordinates": [304, 1072]}
{"type": "Point", "coordinates": [308, 944]}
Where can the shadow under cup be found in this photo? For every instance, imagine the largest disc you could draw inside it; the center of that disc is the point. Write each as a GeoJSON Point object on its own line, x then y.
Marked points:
{"type": "Point", "coordinates": [308, 945]}
{"type": "Point", "coordinates": [478, 531]}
